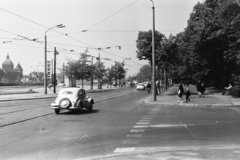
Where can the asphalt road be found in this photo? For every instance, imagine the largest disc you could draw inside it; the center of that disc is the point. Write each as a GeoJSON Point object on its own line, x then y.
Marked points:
{"type": "Point", "coordinates": [122, 127]}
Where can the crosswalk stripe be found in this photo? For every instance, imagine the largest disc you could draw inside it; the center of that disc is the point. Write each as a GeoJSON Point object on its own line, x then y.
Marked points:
{"type": "Point", "coordinates": [137, 130]}
{"type": "Point", "coordinates": [142, 126]}
{"type": "Point", "coordinates": [143, 122]}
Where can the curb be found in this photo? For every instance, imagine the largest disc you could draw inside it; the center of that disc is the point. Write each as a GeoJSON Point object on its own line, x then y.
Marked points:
{"type": "Point", "coordinates": [50, 96]}
{"type": "Point", "coordinates": [148, 101]}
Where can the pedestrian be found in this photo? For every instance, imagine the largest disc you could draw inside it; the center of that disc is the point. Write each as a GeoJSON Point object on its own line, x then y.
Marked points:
{"type": "Point", "coordinates": [202, 89]}
{"type": "Point", "coordinates": [188, 93]}
{"type": "Point", "coordinates": [227, 89]}
{"type": "Point", "coordinates": [50, 86]}
{"type": "Point", "coordinates": [158, 87]}
{"type": "Point", "coordinates": [149, 87]}
{"type": "Point", "coordinates": [199, 88]}
{"type": "Point", "coordinates": [180, 93]}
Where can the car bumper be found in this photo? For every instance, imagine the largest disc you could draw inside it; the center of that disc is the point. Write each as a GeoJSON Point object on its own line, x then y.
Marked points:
{"type": "Point", "coordinates": [54, 106]}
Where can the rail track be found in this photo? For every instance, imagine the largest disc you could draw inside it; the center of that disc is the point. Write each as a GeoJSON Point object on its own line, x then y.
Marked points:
{"type": "Point", "coordinates": [20, 112]}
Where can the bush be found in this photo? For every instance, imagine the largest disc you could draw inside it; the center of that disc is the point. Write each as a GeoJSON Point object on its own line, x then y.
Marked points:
{"type": "Point", "coordinates": [235, 91]}
{"type": "Point", "coordinates": [21, 84]}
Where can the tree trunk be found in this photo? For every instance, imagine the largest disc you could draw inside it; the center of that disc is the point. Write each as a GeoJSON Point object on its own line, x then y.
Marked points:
{"type": "Point", "coordinates": [82, 82]}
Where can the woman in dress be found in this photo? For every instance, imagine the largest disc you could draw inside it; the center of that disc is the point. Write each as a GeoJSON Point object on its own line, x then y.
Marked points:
{"type": "Point", "coordinates": [180, 93]}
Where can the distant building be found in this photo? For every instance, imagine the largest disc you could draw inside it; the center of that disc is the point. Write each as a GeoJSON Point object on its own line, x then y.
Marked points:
{"type": "Point", "coordinates": [8, 73]}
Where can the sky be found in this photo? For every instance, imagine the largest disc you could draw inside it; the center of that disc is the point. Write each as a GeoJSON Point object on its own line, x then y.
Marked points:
{"type": "Point", "coordinates": [88, 24]}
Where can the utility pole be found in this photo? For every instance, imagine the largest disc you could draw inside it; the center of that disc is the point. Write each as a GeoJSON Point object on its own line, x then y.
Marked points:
{"type": "Point", "coordinates": [153, 57]}
{"type": "Point", "coordinates": [54, 74]}
{"type": "Point", "coordinates": [45, 66]}
{"type": "Point", "coordinates": [99, 85]}
{"type": "Point", "coordinates": [92, 77]}
{"type": "Point", "coordinates": [63, 72]}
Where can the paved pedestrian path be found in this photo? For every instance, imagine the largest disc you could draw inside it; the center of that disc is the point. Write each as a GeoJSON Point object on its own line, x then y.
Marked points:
{"type": "Point", "coordinates": [212, 98]}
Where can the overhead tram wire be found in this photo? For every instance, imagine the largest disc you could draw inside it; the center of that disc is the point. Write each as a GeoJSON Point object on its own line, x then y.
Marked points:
{"type": "Point", "coordinates": [63, 33]}
{"type": "Point", "coordinates": [8, 32]}
{"type": "Point", "coordinates": [58, 47]}
{"type": "Point", "coordinates": [108, 17]}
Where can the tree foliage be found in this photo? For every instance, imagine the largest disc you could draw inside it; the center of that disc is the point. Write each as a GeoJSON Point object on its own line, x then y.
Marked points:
{"type": "Point", "coordinates": [209, 46]}
{"type": "Point", "coordinates": [79, 69]}
{"type": "Point", "coordinates": [99, 70]}
{"type": "Point", "coordinates": [145, 73]}
{"type": "Point", "coordinates": [144, 44]}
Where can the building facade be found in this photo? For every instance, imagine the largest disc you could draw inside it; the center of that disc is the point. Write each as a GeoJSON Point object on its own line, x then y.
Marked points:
{"type": "Point", "coordinates": [8, 73]}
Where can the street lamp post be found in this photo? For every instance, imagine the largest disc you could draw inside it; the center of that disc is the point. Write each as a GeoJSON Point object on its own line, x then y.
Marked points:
{"type": "Point", "coordinates": [153, 56]}
{"type": "Point", "coordinates": [45, 56]}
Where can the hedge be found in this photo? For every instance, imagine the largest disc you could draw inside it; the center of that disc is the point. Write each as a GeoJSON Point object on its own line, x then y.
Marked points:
{"type": "Point", "coordinates": [20, 84]}
{"type": "Point", "coordinates": [235, 91]}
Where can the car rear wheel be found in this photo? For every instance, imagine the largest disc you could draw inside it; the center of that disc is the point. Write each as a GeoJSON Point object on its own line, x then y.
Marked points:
{"type": "Point", "coordinates": [90, 106]}
{"type": "Point", "coordinates": [57, 111]}
{"type": "Point", "coordinates": [65, 103]}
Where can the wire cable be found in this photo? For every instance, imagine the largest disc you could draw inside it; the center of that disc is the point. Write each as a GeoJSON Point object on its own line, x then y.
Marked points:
{"type": "Point", "coordinates": [108, 17]}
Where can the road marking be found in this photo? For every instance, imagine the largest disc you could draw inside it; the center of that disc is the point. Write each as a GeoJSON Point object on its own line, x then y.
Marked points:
{"type": "Point", "coordinates": [122, 150]}
{"type": "Point", "coordinates": [134, 135]}
{"type": "Point", "coordinates": [142, 126]}
{"type": "Point", "coordinates": [130, 141]}
{"type": "Point", "coordinates": [143, 122]}
{"type": "Point", "coordinates": [137, 130]}
{"type": "Point", "coordinates": [166, 125]}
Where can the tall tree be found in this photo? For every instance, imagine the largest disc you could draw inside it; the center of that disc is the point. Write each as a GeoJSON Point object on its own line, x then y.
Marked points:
{"type": "Point", "coordinates": [119, 71]}
{"type": "Point", "coordinates": [144, 44]}
{"type": "Point", "coordinates": [99, 72]}
{"type": "Point", "coordinates": [79, 69]}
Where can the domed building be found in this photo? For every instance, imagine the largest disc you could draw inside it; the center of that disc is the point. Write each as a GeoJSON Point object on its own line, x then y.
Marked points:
{"type": "Point", "coordinates": [8, 73]}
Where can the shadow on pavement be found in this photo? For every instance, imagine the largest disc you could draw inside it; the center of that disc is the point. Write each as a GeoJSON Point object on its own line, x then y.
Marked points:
{"type": "Point", "coordinates": [84, 111]}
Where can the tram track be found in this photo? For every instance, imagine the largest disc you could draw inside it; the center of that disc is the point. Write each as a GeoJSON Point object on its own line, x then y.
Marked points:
{"type": "Point", "coordinates": [22, 115]}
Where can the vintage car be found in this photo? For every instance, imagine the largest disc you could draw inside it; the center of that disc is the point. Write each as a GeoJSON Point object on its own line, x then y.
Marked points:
{"type": "Point", "coordinates": [140, 86]}
{"type": "Point", "coordinates": [72, 99]}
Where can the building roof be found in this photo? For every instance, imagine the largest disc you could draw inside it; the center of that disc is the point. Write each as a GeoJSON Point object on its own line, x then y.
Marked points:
{"type": "Point", "coordinates": [7, 64]}
{"type": "Point", "coordinates": [18, 67]}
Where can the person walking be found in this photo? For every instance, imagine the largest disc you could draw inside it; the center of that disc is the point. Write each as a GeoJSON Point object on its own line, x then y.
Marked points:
{"type": "Point", "coordinates": [199, 88]}
{"type": "Point", "coordinates": [188, 93]}
{"type": "Point", "coordinates": [161, 87]}
{"type": "Point", "coordinates": [180, 93]}
{"type": "Point", "coordinates": [149, 87]}
{"type": "Point", "coordinates": [202, 89]}
{"type": "Point", "coordinates": [158, 87]}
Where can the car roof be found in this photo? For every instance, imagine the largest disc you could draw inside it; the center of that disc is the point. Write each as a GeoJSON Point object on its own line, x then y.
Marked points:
{"type": "Point", "coordinates": [72, 89]}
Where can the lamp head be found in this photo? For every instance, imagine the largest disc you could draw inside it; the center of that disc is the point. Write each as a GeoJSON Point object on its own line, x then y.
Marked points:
{"type": "Point", "coordinates": [60, 26]}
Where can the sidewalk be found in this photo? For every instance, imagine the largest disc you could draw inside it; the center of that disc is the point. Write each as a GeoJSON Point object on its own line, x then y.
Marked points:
{"type": "Point", "coordinates": [212, 98]}
{"type": "Point", "coordinates": [40, 93]}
